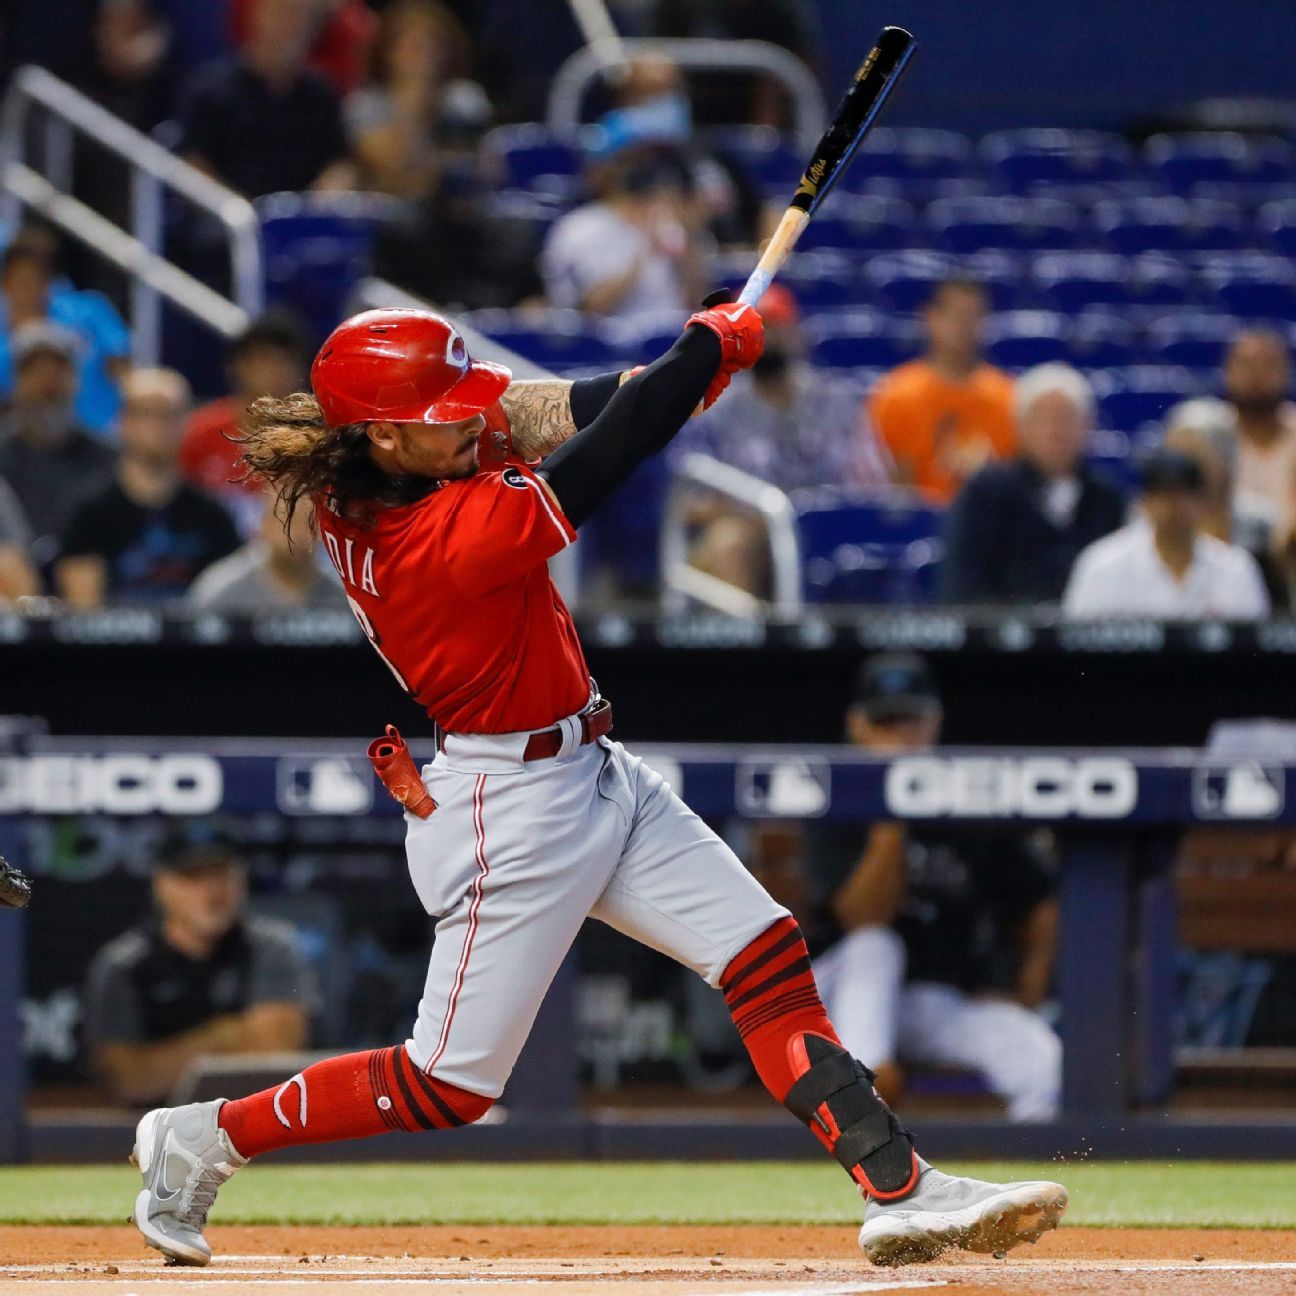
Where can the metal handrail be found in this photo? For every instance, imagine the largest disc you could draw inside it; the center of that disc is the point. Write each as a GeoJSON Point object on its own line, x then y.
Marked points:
{"type": "Point", "coordinates": [153, 171]}
{"type": "Point", "coordinates": [681, 581]}
{"type": "Point", "coordinates": [592, 62]}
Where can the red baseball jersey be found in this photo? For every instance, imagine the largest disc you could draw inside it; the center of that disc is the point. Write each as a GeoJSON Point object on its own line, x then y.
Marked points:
{"type": "Point", "coordinates": [454, 593]}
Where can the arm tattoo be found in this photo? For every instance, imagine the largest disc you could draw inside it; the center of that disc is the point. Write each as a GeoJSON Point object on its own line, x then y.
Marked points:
{"type": "Point", "coordinates": [539, 415]}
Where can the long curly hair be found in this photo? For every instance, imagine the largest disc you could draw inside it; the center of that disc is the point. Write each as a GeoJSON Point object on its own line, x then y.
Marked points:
{"type": "Point", "coordinates": [288, 443]}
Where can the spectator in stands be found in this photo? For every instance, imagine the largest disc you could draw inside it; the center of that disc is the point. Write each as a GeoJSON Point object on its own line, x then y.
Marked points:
{"type": "Point", "coordinates": [1015, 529]}
{"type": "Point", "coordinates": [944, 415]}
{"type": "Point", "coordinates": [1163, 564]}
{"type": "Point", "coordinates": [30, 293]}
{"type": "Point", "coordinates": [1257, 382]}
{"type": "Point", "coordinates": [939, 941]}
{"type": "Point", "coordinates": [785, 423]}
{"type": "Point", "coordinates": [639, 248]}
{"type": "Point", "coordinates": [1205, 429]}
{"type": "Point", "coordinates": [17, 575]}
{"type": "Point", "coordinates": [147, 534]}
{"type": "Point", "coordinates": [270, 358]}
{"type": "Point", "coordinates": [46, 456]}
{"type": "Point", "coordinates": [199, 977]}
{"type": "Point", "coordinates": [418, 73]}
{"type": "Point", "coordinates": [263, 121]}
{"type": "Point", "coordinates": [342, 33]}
{"type": "Point", "coordinates": [277, 572]}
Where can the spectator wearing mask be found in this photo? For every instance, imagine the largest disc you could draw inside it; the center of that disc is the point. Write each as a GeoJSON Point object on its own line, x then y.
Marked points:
{"type": "Point", "coordinates": [17, 575]}
{"type": "Point", "coordinates": [1016, 527]}
{"type": "Point", "coordinates": [147, 534]}
{"type": "Point", "coordinates": [48, 459]}
{"type": "Point", "coordinates": [638, 249]}
{"type": "Point", "coordinates": [30, 294]}
{"type": "Point", "coordinates": [945, 415]}
{"type": "Point", "coordinates": [940, 941]}
{"type": "Point", "coordinates": [264, 121]}
{"type": "Point", "coordinates": [199, 977]}
{"type": "Point", "coordinates": [271, 358]}
{"type": "Point", "coordinates": [785, 423]}
{"type": "Point", "coordinates": [1163, 564]}
{"type": "Point", "coordinates": [1257, 383]}
{"type": "Point", "coordinates": [276, 572]}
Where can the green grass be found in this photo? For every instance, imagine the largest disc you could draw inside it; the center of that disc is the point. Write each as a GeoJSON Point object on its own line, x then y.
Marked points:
{"type": "Point", "coordinates": [1138, 1194]}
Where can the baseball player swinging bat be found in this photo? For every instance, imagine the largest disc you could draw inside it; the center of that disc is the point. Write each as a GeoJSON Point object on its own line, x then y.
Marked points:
{"type": "Point", "coordinates": [441, 488]}
{"type": "Point", "coordinates": [854, 118]}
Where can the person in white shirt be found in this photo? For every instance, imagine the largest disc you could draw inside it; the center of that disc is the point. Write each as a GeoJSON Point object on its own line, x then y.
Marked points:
{"type": "Point", "coordinates": [1164, 564]}
{"type": "Point", "coordinates": [636, 251]}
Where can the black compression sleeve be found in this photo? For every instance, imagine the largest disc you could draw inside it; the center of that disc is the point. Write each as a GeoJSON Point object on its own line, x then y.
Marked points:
{"type": "Point", "coordinates": [643, 416]}
{"type": "Point", "coordinates": [589, 396]}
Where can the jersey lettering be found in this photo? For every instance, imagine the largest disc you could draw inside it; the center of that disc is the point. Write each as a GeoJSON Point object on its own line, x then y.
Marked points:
{"type": "Point", "coordinates": [376, 640]}
{"type": "Point", "coordinates": [345, 565]}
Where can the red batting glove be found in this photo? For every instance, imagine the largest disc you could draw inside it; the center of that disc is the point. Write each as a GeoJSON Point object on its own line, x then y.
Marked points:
{"type": "Point", "coordinates": [742, 339]}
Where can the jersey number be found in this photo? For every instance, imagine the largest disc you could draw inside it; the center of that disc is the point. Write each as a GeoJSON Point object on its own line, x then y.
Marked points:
{"type": "Point", "coordinates": [374, 638]}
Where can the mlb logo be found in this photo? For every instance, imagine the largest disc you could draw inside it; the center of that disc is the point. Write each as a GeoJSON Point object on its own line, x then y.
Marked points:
{"type": "Point", "coordinates": [1245, 790]}
{"type": "Point", "coordinates": [325, 785]}
{"type": "Point", "coordinates": [794, 788]}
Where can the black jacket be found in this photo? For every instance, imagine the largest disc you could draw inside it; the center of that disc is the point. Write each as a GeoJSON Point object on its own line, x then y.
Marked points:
{"type": "Point", "coordinates": [1000, 545]}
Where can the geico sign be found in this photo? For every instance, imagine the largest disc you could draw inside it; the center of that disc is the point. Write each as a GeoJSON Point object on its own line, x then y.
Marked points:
{"type": "Point", "coordinates": [119, 783]}
{"type": "Point", "coordinates": [1033, 787]}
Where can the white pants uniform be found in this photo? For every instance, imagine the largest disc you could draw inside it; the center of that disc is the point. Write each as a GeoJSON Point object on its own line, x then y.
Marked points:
{"type": "Point", "coordinates": [518, 854]}
{"type": "Point", "coordinates": [880, 1018]}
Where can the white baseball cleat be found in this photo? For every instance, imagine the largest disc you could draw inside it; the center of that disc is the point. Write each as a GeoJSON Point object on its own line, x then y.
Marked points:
{"type": "Point", "coordinates": [945, 1211]}
{"type": "Point", "coordinates": [184, 1157]}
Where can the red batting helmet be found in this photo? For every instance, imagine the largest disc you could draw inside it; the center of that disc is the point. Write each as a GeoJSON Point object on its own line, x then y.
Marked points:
{"type": "Point", "coordinates": [401, 366]}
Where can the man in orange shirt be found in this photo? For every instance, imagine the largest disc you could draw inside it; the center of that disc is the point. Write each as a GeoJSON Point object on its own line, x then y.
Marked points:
{"type": "Point", "coordinates": [944, 415]}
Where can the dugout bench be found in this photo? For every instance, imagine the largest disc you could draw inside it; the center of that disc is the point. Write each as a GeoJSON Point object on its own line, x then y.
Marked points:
{"type": "Point", "coordinates": [1118, 815]}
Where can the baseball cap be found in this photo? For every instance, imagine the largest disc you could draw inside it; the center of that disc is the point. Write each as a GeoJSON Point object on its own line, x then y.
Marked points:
{"type": "Point", "coordinates": [44, 335]}
{"type": "Point", "coordinates": [894, 686]}
{"type": "Point", "coordinates": [1164, 470]}
{"type": "Point", "coordinates": [193, 844]}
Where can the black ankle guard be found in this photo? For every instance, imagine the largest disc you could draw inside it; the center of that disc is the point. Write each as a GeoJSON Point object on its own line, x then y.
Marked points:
{"type": "Point", "coordinates": [834, 1095]}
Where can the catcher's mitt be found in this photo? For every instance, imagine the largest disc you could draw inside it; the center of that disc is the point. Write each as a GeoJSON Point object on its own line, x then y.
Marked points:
{"type": "Point", "coordinates": [15, 887]}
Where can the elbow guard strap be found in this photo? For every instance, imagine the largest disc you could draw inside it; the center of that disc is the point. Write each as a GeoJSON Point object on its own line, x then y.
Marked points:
{"type": "Point", "coordinates": [834, 1096]}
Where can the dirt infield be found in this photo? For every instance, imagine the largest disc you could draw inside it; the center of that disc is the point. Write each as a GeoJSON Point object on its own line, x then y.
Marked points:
{"type": "Point", "coordinates": [666, 1261]}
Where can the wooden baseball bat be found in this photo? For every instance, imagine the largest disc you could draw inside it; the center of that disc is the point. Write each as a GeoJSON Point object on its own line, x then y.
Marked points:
{"type": "Point", "coordinates": [855, 115]}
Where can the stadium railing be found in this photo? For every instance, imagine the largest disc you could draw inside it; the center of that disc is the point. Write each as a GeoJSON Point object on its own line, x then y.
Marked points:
{"type": "Point", "coordinates": [37, 98]}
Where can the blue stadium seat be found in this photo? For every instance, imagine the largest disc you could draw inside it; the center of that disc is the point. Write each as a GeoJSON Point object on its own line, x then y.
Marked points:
{"type": "Point", "coordinates": [1171, 225]}
{"type": "Point", "coordinates": [862, 339]}
{"type": "Point", "coordinates": [770, 160]}
{"type": "Point", "coordinates": [317, 248]}
{"type": "Point", "coordinates": [1113, 453]}
{"type": "Point", "coordinates": [645, 337]}
{"type": "Point", "coordinates": [861, 223]}
{"type": "Point", "coordinates": [1019, 339]}
{"type": "Point", "coordinates": [1192, 339]}
{"type": "Point", "coordinates": [859, 548]}
{"type": "Point", "coordinates": [822, 280]}
{"type": "Point", "coordinates": [514, 156]}
{"type": "Point", "coordinates": [1129, 399]}
{"type": "Point", "coordinates": [1024, 224]}
{"type": "Point", "coordinates": [560, 340]}
{"type": "Point", "coordinates": [1253, 285]}
{"type": "Point", "coordinates": [1023, 158]}
{"type": "Point", "coordinates": [1102, 339]}
{"type": "Point", "coordinates": [1186, 161]}
{"type": "Point", "coordinates": [911, 154]}
{"type": "Point", "coordinates": [1278, 222]}
{"type": "Point", "coordinates": [1071, 281]}
{"type": "Point", "coordinates": [903, 281]}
